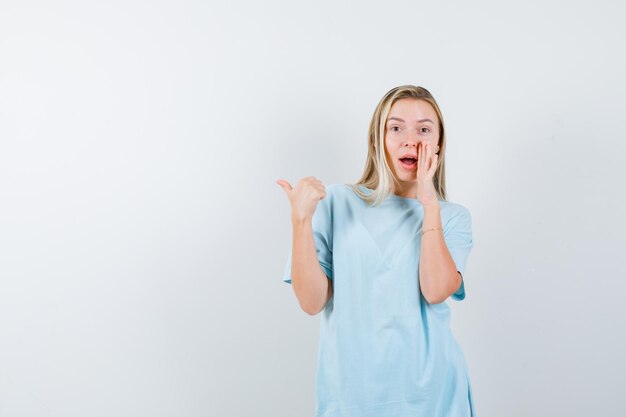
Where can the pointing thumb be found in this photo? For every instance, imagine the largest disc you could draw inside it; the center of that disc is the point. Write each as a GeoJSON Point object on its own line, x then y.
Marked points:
{"type": "Point", "coordinates": [286, 186]}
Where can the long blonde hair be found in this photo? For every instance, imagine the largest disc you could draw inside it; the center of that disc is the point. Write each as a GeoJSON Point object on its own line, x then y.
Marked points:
{"type": "Point", "coordinates": [377, 174]}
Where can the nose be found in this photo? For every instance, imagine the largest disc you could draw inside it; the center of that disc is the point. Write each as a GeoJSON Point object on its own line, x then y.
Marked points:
{"type": "Point", "coordinates": [413, 139]}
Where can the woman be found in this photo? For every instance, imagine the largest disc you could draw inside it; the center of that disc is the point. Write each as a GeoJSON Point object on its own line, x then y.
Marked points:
{"type": "Point", "coordinates": [379, 258]}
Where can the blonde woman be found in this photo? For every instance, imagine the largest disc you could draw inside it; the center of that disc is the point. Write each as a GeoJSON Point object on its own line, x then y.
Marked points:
{"type": "Point", "coordinates": [379, 259]}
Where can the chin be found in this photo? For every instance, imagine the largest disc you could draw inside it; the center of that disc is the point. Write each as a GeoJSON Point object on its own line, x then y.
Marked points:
{"type": "Point", "coordinates": [407, 178]}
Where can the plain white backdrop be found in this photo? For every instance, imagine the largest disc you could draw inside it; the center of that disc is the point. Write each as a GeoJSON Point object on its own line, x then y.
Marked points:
{"type": "Point", "coordinates": [143, 237]}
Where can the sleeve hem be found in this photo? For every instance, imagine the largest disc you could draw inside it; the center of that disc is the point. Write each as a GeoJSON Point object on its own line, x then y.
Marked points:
{"type": "Point", "coordinates": [460, 293]}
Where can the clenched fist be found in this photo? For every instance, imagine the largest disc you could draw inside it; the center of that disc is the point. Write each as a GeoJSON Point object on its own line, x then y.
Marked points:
{"type": "Point", "coordinates": [303, 197]}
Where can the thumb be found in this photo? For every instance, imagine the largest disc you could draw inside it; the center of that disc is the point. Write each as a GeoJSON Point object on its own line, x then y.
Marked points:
{"type": "Point", "coordinates": [286, 186]}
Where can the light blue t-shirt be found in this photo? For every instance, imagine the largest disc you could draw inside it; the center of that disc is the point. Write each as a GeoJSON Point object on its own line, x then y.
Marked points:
{"type": "Point", "coordinates": [384, 351]}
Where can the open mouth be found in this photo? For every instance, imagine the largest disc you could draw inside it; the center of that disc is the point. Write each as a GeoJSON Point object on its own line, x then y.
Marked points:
{"type": "Point", "coordinates": [408, 163]}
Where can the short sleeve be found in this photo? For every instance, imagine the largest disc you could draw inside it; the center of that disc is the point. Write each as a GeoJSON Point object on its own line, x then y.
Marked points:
{"type": "Point", "coordinates": [322, 223]}
{"type": "Point", "coordinates": [458, 238]}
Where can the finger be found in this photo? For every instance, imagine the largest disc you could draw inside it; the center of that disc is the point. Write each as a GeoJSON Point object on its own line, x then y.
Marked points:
{"type": "Point", "coordinates": [286, 186]}
{"type": "Point", "coordinates": [419, 157]}
{"type": "Point", "coordinates": [417, 163]}
{"type": "Point", "coordinates": [433, 168]}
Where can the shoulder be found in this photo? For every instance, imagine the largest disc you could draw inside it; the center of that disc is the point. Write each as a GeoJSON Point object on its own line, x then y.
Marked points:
{"type": "Point", "coordinates": [335, 187]}
{"type": "Point", "coordinates": [338, 197]}
{"type": "Point", "coordinates": [332, 192]}
{"type": "Point", "coordinates": [454, 208]}
{"type": "Point", "coordinates": [337, 190]}
{"type": "Point", "coordinates": [453, 213]}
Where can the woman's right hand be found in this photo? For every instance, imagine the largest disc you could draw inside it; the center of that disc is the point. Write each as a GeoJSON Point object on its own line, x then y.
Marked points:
{"type": "Point", "coordinates": [303, 197]}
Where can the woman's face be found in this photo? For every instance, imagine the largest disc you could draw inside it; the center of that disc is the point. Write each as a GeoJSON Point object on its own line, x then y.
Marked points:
{"type": "Point", "coordinates": [411, 122]}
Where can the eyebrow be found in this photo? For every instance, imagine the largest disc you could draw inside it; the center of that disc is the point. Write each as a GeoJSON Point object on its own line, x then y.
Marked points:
{"type": "Point", "coordinates": [419, 121]}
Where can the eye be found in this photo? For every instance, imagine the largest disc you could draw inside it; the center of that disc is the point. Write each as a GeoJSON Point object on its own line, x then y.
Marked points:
{"type": "Point", "coordinates": [394, 127]}
{"type": "Point", "coordinates": [427, 130]}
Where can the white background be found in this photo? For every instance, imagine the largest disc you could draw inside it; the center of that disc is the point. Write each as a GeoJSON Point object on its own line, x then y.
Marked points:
{"type": "Point", "coordinates": [143, 237]}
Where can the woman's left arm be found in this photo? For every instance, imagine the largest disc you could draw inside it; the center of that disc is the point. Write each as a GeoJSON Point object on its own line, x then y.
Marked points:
{"type": "Point", "coordinates": [438, 276]}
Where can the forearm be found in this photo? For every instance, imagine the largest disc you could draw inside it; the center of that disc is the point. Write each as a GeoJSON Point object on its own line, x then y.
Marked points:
{"type": "Point", "coordinates": [308, 279]}
{"type": "Point", "coordinates": [438, 276]}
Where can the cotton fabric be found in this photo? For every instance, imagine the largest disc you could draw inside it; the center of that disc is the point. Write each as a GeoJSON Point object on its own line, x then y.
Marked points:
{"type": "Point", "coordinates": [384, 351]}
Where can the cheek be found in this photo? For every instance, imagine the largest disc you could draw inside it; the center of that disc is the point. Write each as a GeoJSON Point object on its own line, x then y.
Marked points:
{"type": "Point", "coordinates": [390, 158]}
{"type": "Point", "coordinates": [390, 144]}
{"type": "Point", "coordinates": [432, 141]}
{"type": "Point", "coordinates": [387, 147]}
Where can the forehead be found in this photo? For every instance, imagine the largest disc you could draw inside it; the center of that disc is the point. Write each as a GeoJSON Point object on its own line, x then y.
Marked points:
{"type": "Point", "coordinates": [412, 109]}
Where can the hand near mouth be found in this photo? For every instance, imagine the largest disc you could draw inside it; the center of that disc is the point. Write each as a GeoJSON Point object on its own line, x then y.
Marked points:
{"type": "Point", "coordinates": [426, 167]}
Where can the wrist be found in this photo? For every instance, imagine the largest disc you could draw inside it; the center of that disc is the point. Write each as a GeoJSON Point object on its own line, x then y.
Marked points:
{"type": "Point", "coordinates": [297, 221]}
{"type": "Point", "coordinates": [431, 206]}
{"type": "Point", "coordinates": [431, 229]}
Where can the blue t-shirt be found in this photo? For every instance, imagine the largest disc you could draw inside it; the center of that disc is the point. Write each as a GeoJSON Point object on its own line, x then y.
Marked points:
{"type": "Point", "coordinates": [384, 351]}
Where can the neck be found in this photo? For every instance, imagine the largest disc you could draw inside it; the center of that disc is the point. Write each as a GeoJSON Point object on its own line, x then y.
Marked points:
{"type": "Point", "coordinates": [407, 190]}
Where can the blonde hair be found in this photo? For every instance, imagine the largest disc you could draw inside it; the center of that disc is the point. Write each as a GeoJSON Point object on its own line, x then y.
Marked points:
{"type": "Point", "coordinates": [377, 174]}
